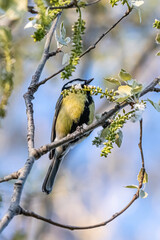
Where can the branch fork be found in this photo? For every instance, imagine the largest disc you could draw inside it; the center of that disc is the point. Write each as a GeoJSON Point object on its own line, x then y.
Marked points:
{"type": "Point", "coordinates": [22, 174]}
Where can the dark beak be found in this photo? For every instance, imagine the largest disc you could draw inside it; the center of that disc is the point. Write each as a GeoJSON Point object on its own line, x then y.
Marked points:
{"type": "Point", "coordinates": [88, 81]}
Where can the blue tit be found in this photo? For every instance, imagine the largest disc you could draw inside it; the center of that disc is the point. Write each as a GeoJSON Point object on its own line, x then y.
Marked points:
{"type": "Point", "coordinates": [71, 111]}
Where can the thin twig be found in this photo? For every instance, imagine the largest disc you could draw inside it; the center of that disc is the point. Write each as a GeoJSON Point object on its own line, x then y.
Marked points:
{"type": "Point", "coordinates": [11, 176]}
{"type": "Point", "coordinates": [70, 227]}
{"type": "Point", "coordinates": [38, 72]}
{"type": "Point", "coordinates": [142, 155]}
{"type": "Point", "coordinates": [105, 33]}
{"type": "Point", "coordinates": [140, 143]}
{"type": "Point", "coordinates": [32, 10]}
{"type": "Point", "coordinates": [52, 54]}
{"type": "Point", "coordinates": [89, 49]}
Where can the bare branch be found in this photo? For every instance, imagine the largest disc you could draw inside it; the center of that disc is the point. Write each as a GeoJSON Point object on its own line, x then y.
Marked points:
{"type": "Point", "coordinates": [140, 144]}
{"type": "Point", "coordinates": [142, 155]}
{"type": "Point", "coordinates": [70, 5]}
{"type": "Point", "coordinates": [45, 56]}
{"type": "Point", "coordinates": [18, 186]}
{"type": "Point", "coordinates": [51, 54]}
{"type": "Point", "coordinates": [89, 49]}
{"type": "Point", "coordinates": [156, 90]}
{"type": "Point", "coordinates": [105, 33]}
{"type": "Point", "coordinates": [22, 174]}
{"type": "Point", "coordinates": [11, 176]}
{"type": "Point", "coordinates": [16, 196]}
{"type": "Point", "coordinates": [151, 86]}
{"type": "Point", "coordinates": [37, 153]}
{"type": "Point", "coordinates": [70, 227]}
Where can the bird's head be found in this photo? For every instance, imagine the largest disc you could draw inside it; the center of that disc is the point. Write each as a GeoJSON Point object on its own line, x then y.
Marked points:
{"type": "Point", "coordinates": [77, 83]}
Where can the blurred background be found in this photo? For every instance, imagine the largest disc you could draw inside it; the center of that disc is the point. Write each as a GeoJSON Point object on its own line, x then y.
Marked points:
{"type": "Point", "coordinates": [89, 189]}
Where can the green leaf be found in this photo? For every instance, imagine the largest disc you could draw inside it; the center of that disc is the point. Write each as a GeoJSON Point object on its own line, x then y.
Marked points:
{"type": "Point", "coordinates": [145, 178]}
{"type": "Point", "coordinates": [62, 31]}
{"type": "Point", "coordinates": [119, 138]}
{"type": "Point", "coordinates": [142, 193]}
{"type": "Point", "coordinates": [139, 175]}
{"type": "Point", "coordinates": [124, 90]}
{"type": "Point", "coordinates": [158, 38]}
{"type": "Point", "coordinates": [158, 54]}
{"type": "Point", "coordinates": [156, 24]}
{"type": "Point", "coordinates": [125, 76]}
{"type": "Point", "coordinates": [113, 81]}
{"type": "Point", "coordinates": [132, 186]}
{"type": "Point", "coordinates": [155, 105]}
{"type": "Point", "coordinates": [67, 40]}
{"type": "Point", "coordinates": [123, 93]}
{"type": "Point", "coordinates": [61, 41]}
{"type": "Point", "coordinates": [137, 89]}
{"type": "Point", "coordinates": [65, 58]}
{"type": "Point", "coordinates": [6, 4]}
{"type": "Point", "coordinates": [115, 2]}
{"type": "Point", "coordinates": [30, 24]}
{"type": "Point", "coordinates": [104, 132]}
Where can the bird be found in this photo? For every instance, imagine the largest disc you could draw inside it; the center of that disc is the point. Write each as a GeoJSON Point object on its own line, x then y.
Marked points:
{"type": "Point", "coordinates": [72, 111]}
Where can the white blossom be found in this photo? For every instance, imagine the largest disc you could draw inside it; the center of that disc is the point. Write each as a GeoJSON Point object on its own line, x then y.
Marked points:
{"type": "Point", "coordinates": [139, 109]}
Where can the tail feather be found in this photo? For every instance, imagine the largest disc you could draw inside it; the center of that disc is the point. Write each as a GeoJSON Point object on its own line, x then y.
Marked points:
{"type": "Point", "coordinates": [50, 176]}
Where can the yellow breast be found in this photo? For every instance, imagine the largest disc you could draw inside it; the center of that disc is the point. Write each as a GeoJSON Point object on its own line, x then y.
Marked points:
{"type": "Point", "coordinates": [71, 109]}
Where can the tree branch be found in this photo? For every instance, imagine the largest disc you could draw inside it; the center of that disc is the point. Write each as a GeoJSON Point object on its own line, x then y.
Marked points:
{"type": "Point", "coordinates": [11, 176]}
{"type": "Point", "coordinates": [14, 208]}
{"type": "Point", "coordinates": [70, 5]}
{"type": "Point", "coordinates": [71, 227]}
{"type": "Point", "coordinates": [37, 153]}
{"type": "Point", "coordinates": [45, 56]}
{"type": "Point", "coordinates": [156, 90]}
{"type": "Point", "coordinates": [142, 155]}
{"type": "Point", "coordinates": [18, 186]}
{"type": "Point", "coordinates": [22, 174]}
{"type": "Point", "coordinates": [52, 54]}
{"type": "Point", "coordinates": [89, 49]}
{"type": "Point", "coordinates": [105, 33]}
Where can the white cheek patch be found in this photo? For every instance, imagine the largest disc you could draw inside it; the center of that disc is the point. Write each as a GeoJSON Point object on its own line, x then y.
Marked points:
{"type": "Point", "coordinates": [77, 84]}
